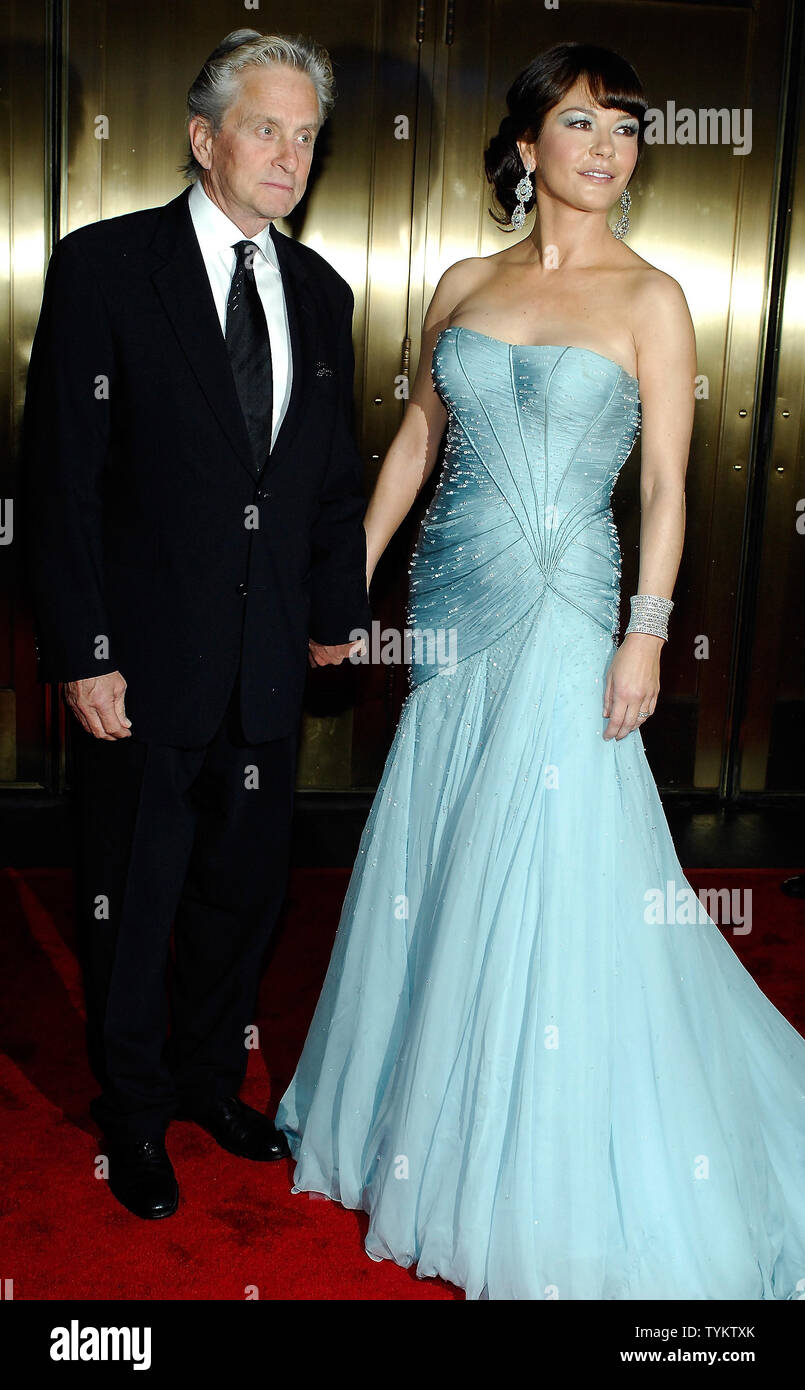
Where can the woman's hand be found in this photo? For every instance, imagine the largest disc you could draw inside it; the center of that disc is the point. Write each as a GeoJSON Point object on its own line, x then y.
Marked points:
{"type": "Point", "coordinates": [633, 683]}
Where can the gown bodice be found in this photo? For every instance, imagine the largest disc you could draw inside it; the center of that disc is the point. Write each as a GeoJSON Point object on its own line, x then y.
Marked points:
{"type": "Point", "coordinates": [536, 438]}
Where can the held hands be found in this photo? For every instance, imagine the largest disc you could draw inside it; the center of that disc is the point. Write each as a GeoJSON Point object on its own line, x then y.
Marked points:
{"type": "Point", "coordinates": [97, 703]}
{"type": "Point", "coordinates": [633, 684]}
{"type": "Point", "coordinates": [319, 655]}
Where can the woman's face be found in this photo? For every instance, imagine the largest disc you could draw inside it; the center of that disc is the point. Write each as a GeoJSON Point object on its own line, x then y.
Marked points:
{"type": "Point", "coordinates": [585, 154]}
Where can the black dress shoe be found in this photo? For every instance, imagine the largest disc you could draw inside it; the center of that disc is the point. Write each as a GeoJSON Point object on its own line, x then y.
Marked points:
{"type": "Point", "coordinates": [141, 1176]}
{"type": "Point", "coordinates": [239, 1129]}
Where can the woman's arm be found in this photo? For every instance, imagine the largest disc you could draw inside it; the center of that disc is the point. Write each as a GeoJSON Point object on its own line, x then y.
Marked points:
{"type": "Point", "coordinates": [413, 451]}
{"type": "Point", "coordinates": [666, 356]}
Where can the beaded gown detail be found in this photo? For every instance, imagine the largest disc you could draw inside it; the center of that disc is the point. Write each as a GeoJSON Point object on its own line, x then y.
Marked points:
{"type": "Point", "coordinates": [537, 1080]}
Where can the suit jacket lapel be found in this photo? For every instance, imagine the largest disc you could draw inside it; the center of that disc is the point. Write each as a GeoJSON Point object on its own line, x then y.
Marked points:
{"type": "Point", "coordinates": [302, 322]}
{"type": "Point", "coordinates": [181, 281]}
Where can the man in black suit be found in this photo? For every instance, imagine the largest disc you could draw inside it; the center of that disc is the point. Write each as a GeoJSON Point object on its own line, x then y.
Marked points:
{"type": "Point", "coordinates": [194, 504]}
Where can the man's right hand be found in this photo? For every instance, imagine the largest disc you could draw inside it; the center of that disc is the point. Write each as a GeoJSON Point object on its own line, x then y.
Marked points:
{"type": "Point", "coordinates": [97, 703]}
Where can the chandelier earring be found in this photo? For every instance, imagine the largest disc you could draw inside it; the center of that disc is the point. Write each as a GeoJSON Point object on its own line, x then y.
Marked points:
{"type": "Point", "coordinates": [622, 225]}
{"type": "Point", "coordinates": [524, 192]}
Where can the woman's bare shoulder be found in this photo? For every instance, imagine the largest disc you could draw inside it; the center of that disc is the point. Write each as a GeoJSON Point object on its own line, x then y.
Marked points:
{"type": "Point", "coordinates": [662, 326]}
{"type": "Point", "coordinates": [457, 282]}
{"type": "Point", "coordinates": [655, 305]}
{"type": "Point", "coordinates": [651, 284]}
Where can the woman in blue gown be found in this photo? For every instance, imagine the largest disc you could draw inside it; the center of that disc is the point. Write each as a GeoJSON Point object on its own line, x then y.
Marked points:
{"type": "Point", "coordinates": [536, 1082]}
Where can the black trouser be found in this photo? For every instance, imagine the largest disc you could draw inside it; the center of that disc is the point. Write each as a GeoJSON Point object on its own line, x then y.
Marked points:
{"type": "Point", "coordinates": [196, 840]}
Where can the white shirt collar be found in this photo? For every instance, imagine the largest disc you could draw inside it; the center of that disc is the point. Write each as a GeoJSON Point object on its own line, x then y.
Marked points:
{"type": "Point", "coordinates": [216, 232]}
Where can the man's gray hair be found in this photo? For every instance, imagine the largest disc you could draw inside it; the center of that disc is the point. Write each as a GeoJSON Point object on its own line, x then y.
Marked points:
{"type": "Point", "coordinates": [217, 85]}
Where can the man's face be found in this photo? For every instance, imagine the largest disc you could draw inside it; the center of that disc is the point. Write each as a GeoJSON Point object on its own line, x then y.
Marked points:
{"type": "Point", "coordinates": [256, 168]}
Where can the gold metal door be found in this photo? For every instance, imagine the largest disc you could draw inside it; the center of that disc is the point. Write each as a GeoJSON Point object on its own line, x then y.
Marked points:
{"type": "Point", "coordinates": [770, 667]}
{"type": "Point", "coordinates": [95, 127]}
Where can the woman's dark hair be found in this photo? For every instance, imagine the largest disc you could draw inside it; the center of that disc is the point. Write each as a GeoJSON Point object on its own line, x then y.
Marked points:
{"type": "Point", "coordinates": [611, 81]}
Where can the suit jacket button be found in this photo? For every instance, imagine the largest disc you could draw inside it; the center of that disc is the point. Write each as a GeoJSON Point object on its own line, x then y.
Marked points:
{"type": "Point", "coordinates": [242, 589]}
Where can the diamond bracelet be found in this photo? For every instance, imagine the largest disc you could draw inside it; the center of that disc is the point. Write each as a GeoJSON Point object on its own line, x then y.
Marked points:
{"type": "Point", "coordinates": [650, 614]}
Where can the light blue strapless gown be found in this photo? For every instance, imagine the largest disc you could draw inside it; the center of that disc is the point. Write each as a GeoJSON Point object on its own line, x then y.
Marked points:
{"type": "Point", "coordinates": [534, 1087]}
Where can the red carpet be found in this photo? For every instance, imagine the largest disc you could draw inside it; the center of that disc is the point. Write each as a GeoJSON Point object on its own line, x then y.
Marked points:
{"type": "Point", "coordinates": [239, 1231]}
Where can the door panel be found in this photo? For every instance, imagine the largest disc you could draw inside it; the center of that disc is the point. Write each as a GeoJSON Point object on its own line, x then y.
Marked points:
{"type": "Point", "coordinates": [771, 749]}
{"type": "Point", "coordinates": [29, 742]}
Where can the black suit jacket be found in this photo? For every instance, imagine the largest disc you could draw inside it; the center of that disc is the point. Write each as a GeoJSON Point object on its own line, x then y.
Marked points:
{"type": "Point", "coordinates": [155, 547]}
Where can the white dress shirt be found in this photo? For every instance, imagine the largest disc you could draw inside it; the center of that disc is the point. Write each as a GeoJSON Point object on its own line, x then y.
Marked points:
{"type": "Point", "coordinates": [216, 238]}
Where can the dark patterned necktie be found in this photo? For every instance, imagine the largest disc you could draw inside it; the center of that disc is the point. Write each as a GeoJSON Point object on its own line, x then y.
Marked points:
{"type": "Point", "coordinates": [249, 349]}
